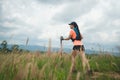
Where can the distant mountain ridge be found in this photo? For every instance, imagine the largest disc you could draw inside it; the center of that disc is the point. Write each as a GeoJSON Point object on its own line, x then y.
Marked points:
{"type": "Point", "coordinates": [53, 49]}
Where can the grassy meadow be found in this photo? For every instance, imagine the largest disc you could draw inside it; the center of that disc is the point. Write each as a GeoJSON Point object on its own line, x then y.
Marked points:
{"type": "Point", "coordinates": [37, 66]}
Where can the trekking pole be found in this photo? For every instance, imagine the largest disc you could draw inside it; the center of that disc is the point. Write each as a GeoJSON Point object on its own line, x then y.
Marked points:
{"type": "Point", "coordinates": [61, 38]}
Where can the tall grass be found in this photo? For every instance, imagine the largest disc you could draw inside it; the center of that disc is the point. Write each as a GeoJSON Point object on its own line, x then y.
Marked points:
{"type": "Point", "coordinates": [36, 66]}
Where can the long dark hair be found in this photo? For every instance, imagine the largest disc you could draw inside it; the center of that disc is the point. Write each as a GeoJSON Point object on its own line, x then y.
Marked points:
{"type": "Point", "coordinates": [76, 26]}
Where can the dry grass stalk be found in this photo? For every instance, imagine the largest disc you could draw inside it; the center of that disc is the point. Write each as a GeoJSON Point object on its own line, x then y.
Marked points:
{"type": "Point", "coordinates": [22, 72]}
{"type": "Point", "coordinates": [78, 76]}
{"type": "Point", "coordinates": [97, 65]}
{"type": "Point", "coordinates": [27, 41]}
{"type": "Point", "coordinates": [69, 76]}
{"type": "Point", "coordinates": [41, 74]}
{"type": "Point", "coordinates": [34, 70]}
{"type": "Point", "coordinates": [49, 48]}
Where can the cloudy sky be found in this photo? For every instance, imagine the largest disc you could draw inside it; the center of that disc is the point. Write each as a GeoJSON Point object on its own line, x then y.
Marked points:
{"type": "Point", "coordinates": [39, 20]}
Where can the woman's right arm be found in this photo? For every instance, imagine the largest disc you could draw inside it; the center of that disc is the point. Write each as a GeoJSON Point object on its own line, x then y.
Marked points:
{"type": "Point", "coordinates": [68, 38]}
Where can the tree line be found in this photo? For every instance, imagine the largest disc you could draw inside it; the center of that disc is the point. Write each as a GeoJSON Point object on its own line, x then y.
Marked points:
{"type": "Point", "coordinates": [13, 49]}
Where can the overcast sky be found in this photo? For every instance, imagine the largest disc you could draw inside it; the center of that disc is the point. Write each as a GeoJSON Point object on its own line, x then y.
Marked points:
{"type": "Point", "coordinates": [39, 20]}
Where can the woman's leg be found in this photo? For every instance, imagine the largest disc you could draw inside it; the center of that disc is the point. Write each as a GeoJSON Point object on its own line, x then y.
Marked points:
{"type": "Point", "coordinates": [85, 62]}
{"type": "Point", "coordinates": [74, 53]}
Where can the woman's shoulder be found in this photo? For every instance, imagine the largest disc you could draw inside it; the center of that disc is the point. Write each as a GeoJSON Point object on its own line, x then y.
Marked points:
{"type": "Point", "coordinates": [71, 30]}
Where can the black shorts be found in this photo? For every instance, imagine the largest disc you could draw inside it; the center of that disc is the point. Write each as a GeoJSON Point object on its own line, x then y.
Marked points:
{"type": "Point", "coordinates": [79, 47]}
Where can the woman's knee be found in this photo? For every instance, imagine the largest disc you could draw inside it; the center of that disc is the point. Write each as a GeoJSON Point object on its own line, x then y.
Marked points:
{"type": "Point", "coordinates": [74, 53]}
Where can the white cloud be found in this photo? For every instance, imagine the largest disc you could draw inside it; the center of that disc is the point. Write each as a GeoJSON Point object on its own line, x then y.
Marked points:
{"type": "Point", "coordinates": [116, 22]}
{"type": "Point", "coordinates": [43, 19]}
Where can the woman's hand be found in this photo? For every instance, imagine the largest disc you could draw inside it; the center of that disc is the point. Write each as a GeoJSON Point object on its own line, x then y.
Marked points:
{"type": "Point", "coordinates": [61, 38]}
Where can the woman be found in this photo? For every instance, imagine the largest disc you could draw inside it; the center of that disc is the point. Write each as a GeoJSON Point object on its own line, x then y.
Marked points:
{"type": "Point", "coordinates": [76, 38]}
